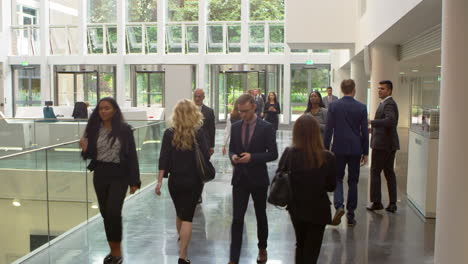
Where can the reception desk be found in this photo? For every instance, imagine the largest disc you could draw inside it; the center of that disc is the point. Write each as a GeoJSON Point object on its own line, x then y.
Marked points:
{"type": "Point", "coordinates": [422, 173]}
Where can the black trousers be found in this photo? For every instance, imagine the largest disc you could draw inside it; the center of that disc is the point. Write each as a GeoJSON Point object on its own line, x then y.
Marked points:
{"type": "Point", "coordinates": [111, 188]}
{"type": "Point", "coordinates": [308, 241]}
{"type": "Point", "coordinates": [383, 160]}
{"type": "Point", "coordinates": [240, 197]}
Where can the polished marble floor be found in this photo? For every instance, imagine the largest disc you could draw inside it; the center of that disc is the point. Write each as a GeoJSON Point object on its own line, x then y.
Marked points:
{"type": "Point", "coordinates": [150, 235]}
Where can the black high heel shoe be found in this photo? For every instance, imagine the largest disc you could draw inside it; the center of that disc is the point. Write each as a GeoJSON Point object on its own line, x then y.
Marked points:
{"type": "Point", "coordinates": [183, 261]}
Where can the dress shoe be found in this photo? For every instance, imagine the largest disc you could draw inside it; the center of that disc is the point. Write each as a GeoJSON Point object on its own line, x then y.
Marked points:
{"type": "Point", "coordinates": [107, 259]}
{"type": "Point", "coordinates": [391, 208]}
{"type": "Point", "coordinates": [375, 206]}
{"type": "Point", "coordinates": [351, 221]}
{"type": "Point", "coordinates": [337, 218]}
{"type": "Point", "coordinates": [183, 261]}
{"type": "Point", "coordinates": [262, 256]}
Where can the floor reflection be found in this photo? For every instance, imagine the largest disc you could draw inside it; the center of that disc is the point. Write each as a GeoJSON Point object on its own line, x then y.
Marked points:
{"type": "Point", "coordinates": [150, 235]}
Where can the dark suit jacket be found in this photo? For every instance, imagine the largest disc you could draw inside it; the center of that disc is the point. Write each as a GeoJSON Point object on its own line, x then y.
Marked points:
{"type": "Point", "coordinates": [384, 126]}
{"type": "Point", "coordinates": [262, 149]}
{"type": "Point", "coordinates": [209, 125]}
{"type": "Point", "coordinates": [310, 186]}
{"type": "Point", "coordinates": [180, 164]}
{"type": "Point", "coordinates": [128, 155]}
{"type": "Point", "coordinates": [347, 123]}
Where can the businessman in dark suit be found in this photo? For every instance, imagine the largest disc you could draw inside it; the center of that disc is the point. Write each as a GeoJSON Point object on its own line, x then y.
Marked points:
{"type": "Point", "coordinates": [208, 118]}
{"type": "Point", "coordinates": [253, 144]}
{"type": "Point", "coordinates": [330, 98]}
{"type": "Point", "coordinates": [208, 127]}
{"type": "Point", "coordinates": [384, 145]}
{"type": "Point", "coordinates": [347, 124]}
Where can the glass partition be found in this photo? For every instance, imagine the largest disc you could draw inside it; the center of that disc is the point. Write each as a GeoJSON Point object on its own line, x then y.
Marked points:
{"type": "Point", "coordinates": [48, 196]}
{"type": "Point", "coordinates": [425, 108]}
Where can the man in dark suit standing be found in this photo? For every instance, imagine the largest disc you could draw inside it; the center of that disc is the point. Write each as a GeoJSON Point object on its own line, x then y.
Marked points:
{"type": "Point", "coordinates": [330, 97]}
{"type": "Point", "coordinates": [208, 127]}
{"type": "Point", "coordinates": [347, 123]}
{"type": "Point", "coordinates": [384, 145]}
{"type": "Point", "coordinates": [208, 118]}
{"type": "Point", "coordinates": [253, 144]}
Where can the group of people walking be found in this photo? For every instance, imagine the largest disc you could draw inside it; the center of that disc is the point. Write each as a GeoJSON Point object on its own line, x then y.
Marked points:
{"type": "Point", "coordinates": [324, 141]}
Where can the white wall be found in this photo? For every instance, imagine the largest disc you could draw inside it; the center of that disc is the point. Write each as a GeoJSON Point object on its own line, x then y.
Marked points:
{"type": "Point", "coordinates": [380, 15]}
{"type": "Point", "coordinates": [178, 85]}
{"type": "Point", "coordinates": [331, 23]}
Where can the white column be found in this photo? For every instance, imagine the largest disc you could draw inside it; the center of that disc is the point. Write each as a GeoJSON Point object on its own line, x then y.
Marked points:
{"type": "Point", "coordinates": [46, 83]}
{"type": "Point", "coordinates": [120, 68]}
{"type": "Point", "coordinates": [245, 18]}
{"type": "Point", "coordinates": [358, 74]}
{"type": "Point", "coordinates": [161, 27]}
{"type": "Point", "coordinates": [201, 70]}
{"type": "Point", "coordinates": [452, 216]}
{"type": "Point", "coordinates": [287, 93]}
{"type": "Point", "coordinates": [178, 81]}
{"type": "Point", "coordinates": [384, 67]}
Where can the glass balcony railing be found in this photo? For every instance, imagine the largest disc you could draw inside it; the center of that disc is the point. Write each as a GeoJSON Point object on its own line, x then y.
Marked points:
{"type": "Point", "coordinates": [142, 38]}
{"type": "Point", "coordinates": [22, 134]}
{"type": "Point", "coordinates": [47, 194]}
{"type": "Point", "coordinates": [223, 37]}
{"type": "Point", "coordinates": [266, 37]}
{"type": "Point", "coordinates": [25, 40]}
{"type": "Point", "coordinates": [102, 38]}
{"type": "Point", "coordinates": [182, 38]}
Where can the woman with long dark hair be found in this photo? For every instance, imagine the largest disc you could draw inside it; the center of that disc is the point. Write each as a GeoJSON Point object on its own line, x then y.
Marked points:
{"type": "Point", "coordinates": [312, 176]}
{"type": "Point", "coordinates": [234, 116]}
{"type": "Point", "coordinates": [177, 157]}
{"type": "Point", "coordinates": [272, 110]}
{"type": "Point", "coordinates": [109, 143]}
{"type": "Point", "coordinates": [316, 108]}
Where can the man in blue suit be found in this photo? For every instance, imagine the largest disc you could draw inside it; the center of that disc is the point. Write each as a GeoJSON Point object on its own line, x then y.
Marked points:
{"type": "Point", "coordinates": [347, 124]}
{"type": "Point", "coordinates": [253, 144]}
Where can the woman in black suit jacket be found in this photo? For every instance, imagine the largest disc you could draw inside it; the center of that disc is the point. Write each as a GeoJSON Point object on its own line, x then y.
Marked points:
{"type": "Point", "coordinates": [312, 176]}
{"type": "Point", "coordinates": [178, 158]}
{"type": "Point", "coordinates": [272, 110]}
{"type": "Point", "coordinates": [109, 143]}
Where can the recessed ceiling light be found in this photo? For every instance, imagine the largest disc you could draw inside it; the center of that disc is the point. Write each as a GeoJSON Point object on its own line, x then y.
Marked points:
{"type": "Point", "coordinates": [402, 72]}
{"type": "Point", "coordinates": [439, 66]}
{"type": "Point", "coordinates": [414, 70]}
{"type": "Point", "coordinates": [16, 202]}
{"type": "Point", "coordinates": [94, 206]}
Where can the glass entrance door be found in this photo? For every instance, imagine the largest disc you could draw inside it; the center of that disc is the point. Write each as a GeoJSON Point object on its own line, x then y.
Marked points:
{"type": "Point", "coordinates": [27, 86]}
{"type": "Point", "coordinates": [150, 89]}
{"type": "Point", "coordinates": [84, 83]}
{"type": "Point", "coordinates": [77, 87]}
{"type": "Point", "coordinates": [231, 81]}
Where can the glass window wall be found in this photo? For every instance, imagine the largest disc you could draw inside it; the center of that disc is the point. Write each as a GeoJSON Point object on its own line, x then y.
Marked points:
{"type": "Point", "coordinates": [270, 10]}
{"type": "Point", "coordinates": [64, 20]}
{"type": "Point", "coordinates": [26, 86]}
{"type": "Point", "coordinates": [182, 10]}
{"type": "Point", "coordinates": [304, 80]}
{"type": "Point", "coordinates": [222, 10]}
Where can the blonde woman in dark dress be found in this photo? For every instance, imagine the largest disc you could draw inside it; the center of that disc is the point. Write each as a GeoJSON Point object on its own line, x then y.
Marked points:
{"type": "Point", "coordinates": [177, 158]}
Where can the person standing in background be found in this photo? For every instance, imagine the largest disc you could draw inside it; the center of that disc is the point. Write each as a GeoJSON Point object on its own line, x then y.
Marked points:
{"type": "Point", "coordinates": [272, 110]}
{"type": "Point", "coordinates": [330, 97]}
{"type": "Point", "coordinates": [233, 117]}
{"type": "Point", "coordinates": [316, 108]}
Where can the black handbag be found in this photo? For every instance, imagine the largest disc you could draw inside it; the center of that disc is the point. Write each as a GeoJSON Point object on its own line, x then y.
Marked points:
{"type": "Point", "coordinates": [205, 168]}
{"type": "Point", "coordinates": [280, 188]}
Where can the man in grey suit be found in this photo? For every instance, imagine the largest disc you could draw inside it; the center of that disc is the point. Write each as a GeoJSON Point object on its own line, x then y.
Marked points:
{"type": "Point", "coordinates": [258, 101]}
{"type": "Point", "coordinates": [330, 97]}
{"type": "Point", "coordinates": [384, 145]}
